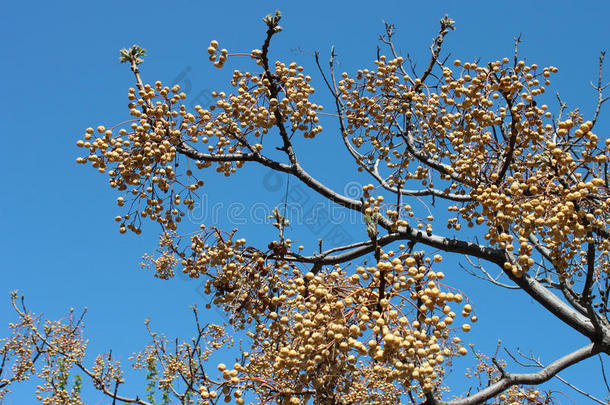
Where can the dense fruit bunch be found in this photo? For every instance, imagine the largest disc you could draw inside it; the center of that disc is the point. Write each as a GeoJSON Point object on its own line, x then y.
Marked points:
{"type": "Point", "coordinates": [333, 327]}
{"type": "Point", "coordinates": [309, 326]}
{"type": "Point", "coordinates": [142, 161]}
{"type": "Point", "coordinates": [485, 139]}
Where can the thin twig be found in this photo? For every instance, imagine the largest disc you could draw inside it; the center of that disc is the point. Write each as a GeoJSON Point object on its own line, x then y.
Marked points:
{"type": "Point", "coordinates": [601, 362]}
{"type": "Point", "coordinates": [600, 89]}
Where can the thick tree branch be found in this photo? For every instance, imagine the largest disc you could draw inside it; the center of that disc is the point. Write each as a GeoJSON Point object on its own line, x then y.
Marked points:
{"type": "Point", "coordinates": [192, 153]}
{"type": "Point", "coordinates": [295, 170]}
{"type": "Point", "coordinates": [526, 282]}
{"type": "Point", "coordinates": [575, 388]}
{"type": "Point", "coordinates": [566, 290]}
{"type": "Point", "coordinates": [332, 195]}
{"type": "Point", "coordinates": [529, 284]}
{"type": "Point", "coordinates": [357, 250]}
{"type": "Point", "coordinates": [510, 379]}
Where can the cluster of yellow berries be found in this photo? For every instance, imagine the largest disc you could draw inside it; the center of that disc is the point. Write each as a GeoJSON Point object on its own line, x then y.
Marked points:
{"type": "Point", "coordinates": [365, 332]}
{"type": "Point", "coordinates": [334, 323]}
{"type": "Point", "coordinates": [482, 136]}
{"type": "Point", "coordinates": [142, 162]}
{"type": "Point", "coordinates": [218, 57]}
{"type": "Point", "coordinates": [251, 110]}
{"type": "Point", "coordinates": [330, 326]}
{"type": "Point", "coordinates": [546, 196]}
{"type": "Point", "coordinates": [141, 159]}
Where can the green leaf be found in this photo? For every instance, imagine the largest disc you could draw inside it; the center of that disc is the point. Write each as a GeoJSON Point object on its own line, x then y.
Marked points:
{"type": "Point", "coordinates": [132, 55]}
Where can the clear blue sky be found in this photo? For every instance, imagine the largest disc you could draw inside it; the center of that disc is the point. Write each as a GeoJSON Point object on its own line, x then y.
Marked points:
{"type": "Point", "coordinates": [60, 73]}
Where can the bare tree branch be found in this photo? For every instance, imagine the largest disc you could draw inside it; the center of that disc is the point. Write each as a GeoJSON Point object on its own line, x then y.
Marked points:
{"type": "Point", "coordinates": [600, 89]}
{"type": "Point", "coordinates": [488, 277]}
{"type": "Point", "coordinates": [435, 49]}
{"type": "Point", "coordinates": [532, 287]}
{"type": "Point", "coordinates": [575, 388]}
{"type": "Point", "coordinates": [601, 362]}
{"type": "Point", "coordinates": [511, 379]}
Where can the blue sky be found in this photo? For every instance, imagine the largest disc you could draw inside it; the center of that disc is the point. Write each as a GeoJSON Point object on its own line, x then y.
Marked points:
{"type": "Point", "coordinates": [60, 246]}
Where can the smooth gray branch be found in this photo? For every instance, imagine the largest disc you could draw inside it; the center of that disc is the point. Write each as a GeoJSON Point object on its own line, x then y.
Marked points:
{"type": "Point", "coordinates": [510, 379]}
